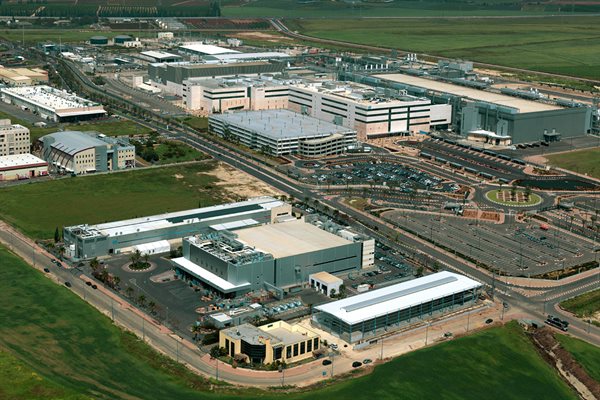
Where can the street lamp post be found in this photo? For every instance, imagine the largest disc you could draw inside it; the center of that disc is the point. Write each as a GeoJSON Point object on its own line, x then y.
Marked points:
{"type": "Point", "coordinates": [427, 333]}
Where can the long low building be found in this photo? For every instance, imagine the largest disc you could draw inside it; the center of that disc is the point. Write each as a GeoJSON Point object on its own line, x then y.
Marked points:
{"type": "Point", "coordinates": [22, 166]}
{"type": "Point", "coordinates": [497, 116]}
{"type": "Point", "coordinates": [367, 315]}
{"type": "Point", "coordinates": [89, 241]}
{"type": "Point", "coordinates": [277, 256]}
{"type": "Point", "coordinates": [52, 104]}
{"type": "Point", "coordinates": [281, 132]}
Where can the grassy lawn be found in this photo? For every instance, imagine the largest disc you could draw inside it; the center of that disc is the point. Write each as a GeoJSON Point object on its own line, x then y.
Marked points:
{"type": "Point", "coordinates": [200, 123]}
{"type": "Point", "coordinates": [565, 45]}
{"type": "Point", "coordinates": [581, 161]}
{"type": "Point", "coordinates": [76, 349]}
{"type": "Point", "coordinates": [38, 208]}
{"type": "Point", "coordinates": [65, 35]}
{"type": "Point", "coordinates": [496, 197]}
{"type": "Point", "coordinates": [20, 382]}
{"type": "Point", "coordinates": [111, 127]}
{"type": "Point", "coordinates": [583, 305]}
{"type": "Point", "coordinates": [584, 353]}
{"type": "Point", "coordinates": [176, 152]}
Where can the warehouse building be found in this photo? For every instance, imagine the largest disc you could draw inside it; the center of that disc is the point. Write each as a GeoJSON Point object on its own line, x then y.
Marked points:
{"type": "Point", "coordinates": [89, 241]}
{"type": "Point", "coordinates": [208, 95]}
{"type": "Point", "coordinates": [202, 49]}
{"type": "Point", "coordinates": [497, 118]}
{"type": "Point", "coordinates": [23, 76]}
{"type": "Point", "coordinates": [52, 104]}
{"type": "Point", "coordinates": [99, 40]}
{"type": "Point", "coordinates": [368, 315]}
{"type": "Point", "coordinates": [280, 132]}
{"type": "Point", "coordinates": [85, 152]}
{"type": "Point", "coordinates": [372, 113]}
{"type": "Point", "coordinates": [280, 256]}
{"type": "Point", "coordinates": [274, 342]}
{"type": "Point", "coordinates": [160, 56]}
{"type": "Point", "coordinates": [170, 76]}
{"type": "Point", "coordinates": [22, 166]}
{"type": "Point", "coordinates": [14, 138]}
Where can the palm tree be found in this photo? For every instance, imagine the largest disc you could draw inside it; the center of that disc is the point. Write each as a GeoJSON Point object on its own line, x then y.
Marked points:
{"type": "Point", "coordinates": [142, 300]}
{"type": "Point", "coordinates": [94, 264]}
{"type": "Point", "coordinates": [152, 307]}
{"type": "Point", "coordinates": [146, 258]}
{"type": "Point", "coordinates": [115, 281]}
{"type": "Point", "coordinates": [129, 291]}
{"type": "Point", "coordinates": [61, 251]}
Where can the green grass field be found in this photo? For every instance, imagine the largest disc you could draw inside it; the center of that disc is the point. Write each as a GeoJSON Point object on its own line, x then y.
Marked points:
{"type": "Point", "coordinates": [584, 353]}
{"type": "Point", "coordinates": [76, 349]}
{"type": "Point", "coordinates": [495, 196]}
{"type": "Point", "coordinates": [63, 35]}
{"type": "Point", "coordinates": [565, 45]}
{"type": "Point", "coordinates": [177, 152]}
{"type": "Point", "coordinates": [583, 305]}
{"type": "Point", "coordinates": [38, 208]}
{"type": "Point", "coordinates": [582, 161]}
{"type": "Point", "coordinates": [337, 9]}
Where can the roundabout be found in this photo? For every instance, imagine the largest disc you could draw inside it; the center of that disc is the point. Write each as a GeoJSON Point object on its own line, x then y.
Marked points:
{"type": "Point", "coordinates": [510, 198]}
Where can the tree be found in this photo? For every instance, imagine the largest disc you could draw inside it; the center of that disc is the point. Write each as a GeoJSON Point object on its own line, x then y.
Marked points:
{"type": "Point", "coordinates": [146, 257]}
{"type": "Point", "coordinates": [332, 293]}
{"type": "Point", "coordinates": [420, 272]}
{"type": "Point", "coordinates": [94, 264]}
{"type": "Point", "coordinates": [56, 235]}
{"type": "Point", "coordinates": [142, 300]}
{"type": "Point", "coordinates": [129, 291]}
{"type": "Point", "coordinates": [61, 251]}
{"type": "Point", "coordinates": [527, 193]}
{"type": "Point", "coordinates": [115, 281]}
{"type": "Point", "coordinates": [216, 351]}
{"type": "Point", "coordinates": [152, 307]}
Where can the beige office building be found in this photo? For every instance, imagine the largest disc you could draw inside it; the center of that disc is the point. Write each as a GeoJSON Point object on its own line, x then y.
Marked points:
{"type": "Point", "coordinates": [14, 138]}
{"type": "Point", "coordinates": [278, 341]}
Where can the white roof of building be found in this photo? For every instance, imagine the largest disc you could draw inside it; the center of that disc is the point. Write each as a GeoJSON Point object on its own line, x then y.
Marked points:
{"type": "Point", "coordinates": [232, 57]}
{"type": "Point", "coordinates": [221, 317]}
{"type": "Point", "coordinates": [159, 55]}
{"type": "Point", "coordinates": [522, 105]}
{"type": "Point", "coordinates": [207, 49]}
{"type": "Point", "coordinates": [325, 277]}
{"type": "Point", "coordinates": [150, 223]}
{"type": "Point", "coordinates": [16, 161]}
{"type": "Point", "coordinates": [289, 238]}
{"type": "Point", "coordinates": [398, 297]}
{"type": "Point", "coordinates": [160, 246]}
{"type": "Point", "coordinates": [54, 100]}
{"type": "Point", "coordinates": [207, 276]}
{"type": "Point", "coordinates": [234, 224]}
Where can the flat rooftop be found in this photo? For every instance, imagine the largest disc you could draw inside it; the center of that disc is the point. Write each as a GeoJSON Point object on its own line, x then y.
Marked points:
{"type": "Point", "coordinates": [281, 124]}
{"type": "Point", "coordinates": [401, 296]}
{"type": "Point", "coordinates": [289, 238]}
{"type": "Point", "coordinates": [232, 57]}
{"type": "Point", "coordinates": [16, 161]}
{"type": "Point", "coordinates": [523, 105]}
{"type": "Point", "coordinates": [159, 55]}
{"type": "Point", "coordinates": [325, 277]}
{"type": "Point", "coordinates": [52, 99]}
{"type": "Point", "coordinates": [145, 224]}
{"type": "Point", "coordinates": [207, 49]}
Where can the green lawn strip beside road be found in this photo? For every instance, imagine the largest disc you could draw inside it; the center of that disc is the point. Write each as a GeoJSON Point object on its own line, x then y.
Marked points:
{"type": "Point", "coordinates": [565, 45]}
{"type": "Point", "coordinates": [38, 208]}
{"type": "Point", "coordinates": [176, 152]}
{"type": "Point", "coordinates": [66, 341]}
{"type": "Point", "coordinates": [583, 305]}
{"type": "Point", "coordinates": [111, 127]}
{"type": "Point", "coordinates": [581, 161]}
{"type": "Point", "coordinates": [584, 353]}
{"type": "Point", "coordinates": [499, 363]}
{"type": "Point", "coordinates": [18, 381]}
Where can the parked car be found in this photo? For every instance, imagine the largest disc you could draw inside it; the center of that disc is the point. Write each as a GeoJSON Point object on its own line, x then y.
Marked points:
{"type": "Point", "coordinates": [68, 284]}
{"type": "Point", "coordinates": [367, 361]}
{"type": "Point", "coordinates": [356, 364]}
{"type": "Point", "coordinates": [94, 287]}
{"type": "Point", "coordinates": [88, 283]}
{"type": "Point", "coordinates": [489, 321]}
{"type": "Point", "coordinates": [333, 346]}
{"type": "Point", "coordinates": [326, 362]}
{"type": "Point", "coordinates": [46, 270]}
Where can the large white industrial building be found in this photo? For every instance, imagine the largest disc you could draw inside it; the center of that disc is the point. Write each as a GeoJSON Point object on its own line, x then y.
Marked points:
{"type": "Point", "coordinates": [52, 104]}
{"type": "Point", "coordinates": [367, 315]}
{"type": "Point", "coordinates": [14, 138]}
{"type": "Point", "coordinates": [281, 132]}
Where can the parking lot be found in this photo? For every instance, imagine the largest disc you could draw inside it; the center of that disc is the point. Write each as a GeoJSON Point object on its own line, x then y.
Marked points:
{"type": "Point", "coordinates": [515, 248]}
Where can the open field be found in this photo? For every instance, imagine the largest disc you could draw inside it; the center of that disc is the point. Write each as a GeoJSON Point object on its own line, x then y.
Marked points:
{"type": "Point", "coordinates": [176, 152]}
{"type": "Point", "coordinates": [564, 45]}
{"type": "Point", "coordinates": [68, 343]}
{"type": "Point", "coordinates": [584, 353]}
{"type": "Point", "coordinates": [38, 208]}
{"type": "Point", "coordinates": [20, 382]}
{"type": "Point", "coordinates": [581, 161]}
{"type": "Point", "coordinates": [583, 305]}
{"type": "Point", "coordinates": [336, 9]}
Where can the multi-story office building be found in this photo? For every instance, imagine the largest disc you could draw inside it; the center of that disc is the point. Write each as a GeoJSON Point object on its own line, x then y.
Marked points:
{"type": "Point", "coordinates": [14, 138]}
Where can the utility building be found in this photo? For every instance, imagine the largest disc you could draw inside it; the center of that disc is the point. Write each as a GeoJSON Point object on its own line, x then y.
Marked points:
{"type": "Point", "coordinates": [276, 256]}
{"type": "Point", "coordinates": [367, 315]}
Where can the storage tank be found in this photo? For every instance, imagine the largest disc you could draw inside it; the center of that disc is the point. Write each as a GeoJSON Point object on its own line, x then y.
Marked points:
{"type": "Point", "coordinates": [120, 39]}
{"type": "Point", "coordinates": [99, 40]}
